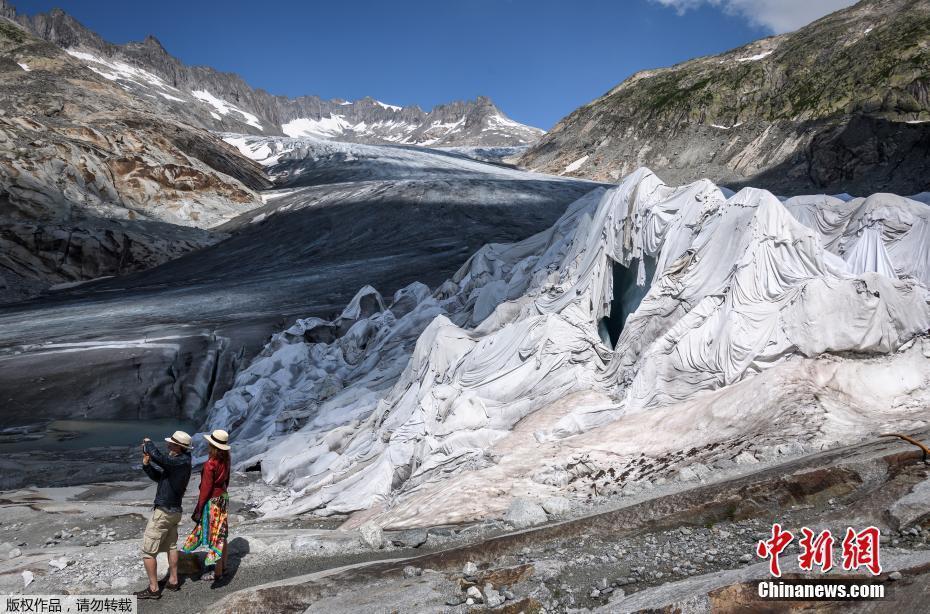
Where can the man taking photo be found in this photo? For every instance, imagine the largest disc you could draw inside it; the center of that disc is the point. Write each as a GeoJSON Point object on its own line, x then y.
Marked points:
{"type": "Point", "coordinates": [172, 471]}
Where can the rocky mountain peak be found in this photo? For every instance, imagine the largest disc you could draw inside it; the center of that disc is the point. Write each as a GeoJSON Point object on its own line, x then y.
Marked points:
{"type": "Point", "coordinates": [150, 40]}
{"type": "Point", "coordinates": [60, 28]}
{"type": "Point", "coordinates": [484, 101]}
{"type": "Point", "coordinates": [150, 44]}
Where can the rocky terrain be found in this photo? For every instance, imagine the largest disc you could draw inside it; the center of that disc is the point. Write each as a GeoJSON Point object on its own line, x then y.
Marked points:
{"type": "Point", "coordinates": [691, 549]}
{"type": "Point", "coordinates": [684, 547]}
{"type": "Point", "coordinates": [96, 183]}
{"type": "Point", "coordinates": [204, 97]}
{"type": "Point", "coordinates": [840, 105]}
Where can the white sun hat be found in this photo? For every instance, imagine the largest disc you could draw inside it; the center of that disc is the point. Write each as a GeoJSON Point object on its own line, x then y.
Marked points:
{"type": "Point", "coordinates": [218, 439]}
{"type": "Point", "coordinates": [180, 438]}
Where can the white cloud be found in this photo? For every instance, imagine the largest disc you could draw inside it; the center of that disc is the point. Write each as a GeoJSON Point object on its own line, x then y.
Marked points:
{"type": "Point", "coordinates": [775, 15]}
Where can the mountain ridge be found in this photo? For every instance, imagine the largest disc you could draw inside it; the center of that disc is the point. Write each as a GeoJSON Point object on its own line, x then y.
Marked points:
{"type": "Point", "coordinates": [225, 102]}
{"type": "Point", "coordinates": [841, 104]}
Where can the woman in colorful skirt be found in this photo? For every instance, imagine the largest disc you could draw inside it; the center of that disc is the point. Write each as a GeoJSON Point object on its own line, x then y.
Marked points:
{"type": "Point", "coordinates": [210, 514]}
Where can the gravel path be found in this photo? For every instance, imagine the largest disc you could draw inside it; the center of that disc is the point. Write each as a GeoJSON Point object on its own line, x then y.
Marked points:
{"type": "Point", "coordinates": [197, 596]}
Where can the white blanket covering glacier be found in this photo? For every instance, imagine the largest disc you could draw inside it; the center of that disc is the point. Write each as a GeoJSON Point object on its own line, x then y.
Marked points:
{"type": "Point", "coordinates": [395, 398]}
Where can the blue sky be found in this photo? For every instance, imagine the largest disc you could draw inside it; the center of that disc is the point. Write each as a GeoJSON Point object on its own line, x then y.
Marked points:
{"type": "Point", "coordinates": [537, 59]}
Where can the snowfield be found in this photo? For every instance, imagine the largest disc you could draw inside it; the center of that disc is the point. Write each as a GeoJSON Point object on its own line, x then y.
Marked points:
{"type": "Point", "coordinates": [647, 319]}
{"type": "Point", "coordinates": [756, 57]}
{"type": "Point", "coordinates": [147, 82]}
{"type": "Point", "coordinates": [339, 127]}
{"type": "Point", "coordinates": [115, 70]}
{"type": "Point", "coordinates": [225, 108]}
{"type": "Point", "coordinates": [574, 166]}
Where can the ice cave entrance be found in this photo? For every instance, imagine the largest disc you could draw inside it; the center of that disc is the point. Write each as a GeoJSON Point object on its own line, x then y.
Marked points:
{"type": "Point", "coordinates": [626, 299]}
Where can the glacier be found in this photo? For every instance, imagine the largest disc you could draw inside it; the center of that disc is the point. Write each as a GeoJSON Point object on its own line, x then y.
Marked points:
{"type": "Point", "coordinates": [756, 327]}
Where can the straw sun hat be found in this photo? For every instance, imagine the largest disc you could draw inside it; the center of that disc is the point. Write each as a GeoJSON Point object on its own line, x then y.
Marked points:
{"type": "Point", "coordinates": [218, 439]}
{"type": "Point", "coordinates": [180, 438]}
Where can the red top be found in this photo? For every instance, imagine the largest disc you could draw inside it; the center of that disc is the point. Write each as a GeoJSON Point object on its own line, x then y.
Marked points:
{"type": "Point", "coordinates": [214, 480]}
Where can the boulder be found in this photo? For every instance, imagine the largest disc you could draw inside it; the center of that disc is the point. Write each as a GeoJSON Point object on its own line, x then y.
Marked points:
{"type": "Point", "coordinates": [371, 535]}
{"type": "Point", "coordinates": [411, 538]}
{"type": "Point", "coordinates": [524, 513]}
{"type": "Point", "coordinates": [492, 597]}
{"type": "Point", "coordinates": [912, 507]}
{"type": "Point", "coordinates": [557, 506]}
{"type": "Point", "coordinates": [412, 572]}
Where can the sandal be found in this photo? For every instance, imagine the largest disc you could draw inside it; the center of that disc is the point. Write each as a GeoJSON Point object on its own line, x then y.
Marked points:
{"type": "Point", "coordinates": [173, 587]}
{"type": "Point", "coordinates": [147, 593]}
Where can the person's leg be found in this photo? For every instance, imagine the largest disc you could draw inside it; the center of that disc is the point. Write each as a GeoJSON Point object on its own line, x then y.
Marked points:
{"type": "Point", "coordinates": [173, 567]}
{"type": "Point", "coordinates": [224, 543]}
{"type": "Point", "coordinates": [151, 570]}
{"type": "Point", "coordinates": [221, 564]}
{"type": "Point", "coordinates": [151, 539]}
{"type": "Point", "coordinates": [172, 542]}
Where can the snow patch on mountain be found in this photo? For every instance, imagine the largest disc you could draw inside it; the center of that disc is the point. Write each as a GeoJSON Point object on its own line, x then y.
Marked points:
{"type": "Point", "coordinates": [262, 151]}
{"type": "Point", "coordinates": [324, 128]}
{"type": "Point", "coordinates": [492, 127]}
{"type": "Point", "coordinates": [170, 97]}
{"type": "Point", "coordinates": [756, 57]}
{"type": "Point", "coordinates": [498, 122]}
{"type": "Point", "coordinates": [225, 108]}
{"type": "Point", "coordinates": [115, 70]}
{"type": "Point", "coordinates": [392, 107]}
{"type": "Point", "coordinates": [147, 82]}
{"type": "Point", "coordinates": [574, 166]}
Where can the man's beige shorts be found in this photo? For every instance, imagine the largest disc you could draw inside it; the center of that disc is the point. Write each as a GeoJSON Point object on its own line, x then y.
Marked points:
{"type": "Point", "coordinates": [161, 533]}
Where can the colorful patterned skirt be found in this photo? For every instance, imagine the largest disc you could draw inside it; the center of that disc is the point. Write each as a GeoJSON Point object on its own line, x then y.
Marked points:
{"type": "Point", "coordinates": [211, 531]}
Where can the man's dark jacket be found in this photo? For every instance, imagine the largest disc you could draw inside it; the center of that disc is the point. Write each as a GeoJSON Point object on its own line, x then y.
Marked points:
{"type": "Point", "coordinates": [172, 473]}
